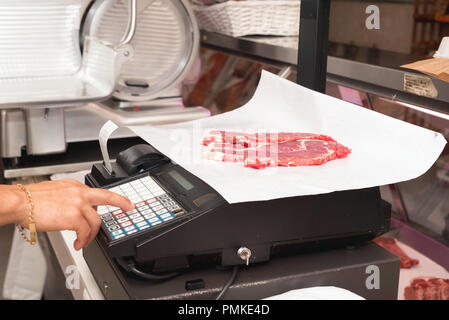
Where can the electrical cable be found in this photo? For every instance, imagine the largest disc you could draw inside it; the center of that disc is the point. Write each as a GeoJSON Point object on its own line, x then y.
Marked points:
{"type": "Point", "coordinates": [131, 267]}
{"type": "Point", "coordinates": [229, 283]}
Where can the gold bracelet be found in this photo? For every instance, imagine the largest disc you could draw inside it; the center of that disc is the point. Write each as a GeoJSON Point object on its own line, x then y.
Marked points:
{"type": "Point", "coordinates": [31, 223]}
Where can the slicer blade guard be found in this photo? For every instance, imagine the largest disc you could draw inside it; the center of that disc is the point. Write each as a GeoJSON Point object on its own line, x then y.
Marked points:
{"type": "Point", "coordinates": [40, 59]}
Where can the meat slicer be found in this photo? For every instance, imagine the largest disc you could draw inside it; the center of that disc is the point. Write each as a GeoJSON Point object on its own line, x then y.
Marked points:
{"type": "Point", "coordinates": [68, 66]}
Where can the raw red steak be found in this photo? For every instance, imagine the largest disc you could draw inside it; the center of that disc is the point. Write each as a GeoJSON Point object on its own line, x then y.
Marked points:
{"type": "Point", "coordinates": [282, 149]}
{"type": "Point", "coordinates": [391, 245]}
{"type": "Point", "coordinates": [247, 138]}
{"type": "Point", "coordinates": [427, 288]}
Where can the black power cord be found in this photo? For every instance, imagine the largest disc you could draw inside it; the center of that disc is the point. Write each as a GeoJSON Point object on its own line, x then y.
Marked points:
{"type": "Point", "coordinates": [130, 266]}
{"type": "Point", "coordinates": [228, 284]}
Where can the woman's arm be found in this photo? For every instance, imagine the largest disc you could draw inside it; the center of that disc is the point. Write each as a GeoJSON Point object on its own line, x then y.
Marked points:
{"type": "Point", "coordinates": [11, 198]}
{"type": "Point", "coordinates": [60, 205]}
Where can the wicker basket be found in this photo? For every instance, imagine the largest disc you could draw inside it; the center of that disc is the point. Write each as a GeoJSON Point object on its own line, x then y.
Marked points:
{"type": "Point", "coordinates": [259, 17]}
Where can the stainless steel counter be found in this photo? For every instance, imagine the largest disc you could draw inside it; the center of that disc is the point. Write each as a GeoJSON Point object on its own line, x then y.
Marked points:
{"type": "Point", "coordinates": [369, 70]}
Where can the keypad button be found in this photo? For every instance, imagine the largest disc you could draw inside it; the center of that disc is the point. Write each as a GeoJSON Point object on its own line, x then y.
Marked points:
{"type": "Point", "coordinates": [156, 223]}
{"type": "Point", "coordinates": [136, 194]}
{"type": "Point", "coordinates": [168, 218]}
{"type": "Point", "coordinates": [122, 220]}
{"type": "Point", "coordinates": [152, 220]}
{"type": "Point", "coordinates": [179, 213]}
{"type": "Point", "coordinates": [129, 228]}
{"type": "Point", "coordinates": [164, 216]}
{"type": "Point", "coordinates": [120, 216]}
{"type": "Point", "coordinates": [162, 211]}
{"type": "Point", "coordinates": [110, 223]}
{"type": "Point", "coordinates": [149, 216]}
{"type": "Point", "coordinates": [141, 224]}
{"type": "Point", "coordinates": [140, 204]}
{"type": "Point", "coordinates": [117, 212]}
{"type": "Point", "coordinates": [138, 219]}
{"type": "Point", "coordinates": [106, 216]}
{"type": "Point", "coordinates": [130, 232]}
{"type": "Point", "coordinates": [125, 186]}
{"type": "Point", "coordinates": [125, 224]}
{"type": "Point", "coordinates": [155, 204]}
{"type": "Point", "coordinates": [132, 211]}
{"type": "Point", "coordinates": [110, 219]}
{"type": "Point", "coordinates": [147, 211]}
{"type": "Point", "coordinates": [118, 236]}
{"type": "Point", "coordinates": [144, 227]}
{"type": "Point", "coordinates": [113, 228]}
{"type": "Point", "coordinates": [157, 207]}
{"type": "Point", "coordinates": [134, 216]}
{"type": "Point", "coordinates": [144, 208]}
{"type": "Point", "coordinates": [117, 232]}
{"type": "Point", "coordinates": [151, 200]}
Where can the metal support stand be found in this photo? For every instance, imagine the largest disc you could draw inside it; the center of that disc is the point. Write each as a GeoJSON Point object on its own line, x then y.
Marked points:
{"type": "Point", "coordinates": [313, 44]}
{"type": "Point", "coordinates": [398, 203]}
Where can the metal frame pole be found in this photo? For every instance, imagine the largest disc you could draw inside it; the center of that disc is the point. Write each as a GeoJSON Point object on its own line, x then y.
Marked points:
{"type": "Point", "coordinates": [313, 44]}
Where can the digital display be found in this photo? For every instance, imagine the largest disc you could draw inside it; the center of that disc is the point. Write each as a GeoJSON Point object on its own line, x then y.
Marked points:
{"type": "Point", "coordinates": [181, 180]}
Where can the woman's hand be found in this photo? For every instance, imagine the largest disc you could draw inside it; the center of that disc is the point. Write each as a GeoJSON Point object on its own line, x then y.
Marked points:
{"type": "Point", "coordinates": [69, 205]}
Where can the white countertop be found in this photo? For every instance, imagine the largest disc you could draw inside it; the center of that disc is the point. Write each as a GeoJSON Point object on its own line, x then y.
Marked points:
{"type": "Point", "coordinates": [72, 262]}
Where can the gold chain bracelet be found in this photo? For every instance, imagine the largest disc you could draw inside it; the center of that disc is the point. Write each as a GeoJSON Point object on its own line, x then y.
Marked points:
{"type": "Point", "coordinates": [31, 223]}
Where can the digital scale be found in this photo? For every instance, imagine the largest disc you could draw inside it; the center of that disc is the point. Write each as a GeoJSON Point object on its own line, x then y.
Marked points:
{"type": "Point", "coordinates": [180, 223]}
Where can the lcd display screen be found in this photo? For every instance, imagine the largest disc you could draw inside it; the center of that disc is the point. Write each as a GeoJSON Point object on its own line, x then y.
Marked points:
{"type": "Point", "coordinates": [181, 180]}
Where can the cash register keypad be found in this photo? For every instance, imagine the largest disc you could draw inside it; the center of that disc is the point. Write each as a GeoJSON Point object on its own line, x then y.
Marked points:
{"type": "Point", "coordinates": [153, 207]}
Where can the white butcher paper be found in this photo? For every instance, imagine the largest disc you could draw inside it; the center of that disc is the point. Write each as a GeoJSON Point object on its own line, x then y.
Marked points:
{"type": "Point", "coordinates": [384, 150]}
